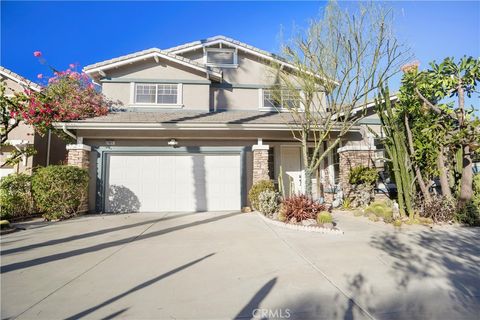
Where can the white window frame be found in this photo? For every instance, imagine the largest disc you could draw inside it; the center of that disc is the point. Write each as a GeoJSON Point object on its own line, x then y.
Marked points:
{"type": "Point", "coordinates": [206, 50]}
{"type": "Point", "coordinates": [133, 96]}
{"type": "Point", "coordinates": [262, 106]}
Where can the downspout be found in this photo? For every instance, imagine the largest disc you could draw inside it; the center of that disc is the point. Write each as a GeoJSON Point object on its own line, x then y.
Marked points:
{"type": "Point", "coordinates": [64, 128]}
{"type": "Point", "coordinates": [49, 141]}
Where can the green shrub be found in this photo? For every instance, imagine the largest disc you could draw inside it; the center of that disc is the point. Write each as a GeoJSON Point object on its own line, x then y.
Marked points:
{"type": "Point", "coordinates": [363, 175]}
{"type": "Point", "coordinates": [423, 220]}
{"type": "Point", "coordinates": [16, 196]}
{"type": "Point", "coordinates": [268, 202]}
{"type": "Point", "coordinates": [347, 203]}
{"type": "Point", "coordinates": [470, 214]}
{"type": "Point", "coordinates": [257, 188]}
{"type": "Point", "coordinates": [382, 210]}
{"type": "Point", "coordinates": [324, 217]}
{"type": "Point", "coordinates": [59, 191]}
{"type": "Point", "coordinates": [4, 224]}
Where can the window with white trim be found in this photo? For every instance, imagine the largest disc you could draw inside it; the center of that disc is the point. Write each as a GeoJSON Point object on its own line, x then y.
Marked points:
{"type": "Point", "coordinates": [289, 99]}
{"type": "Point", "coordinates": [161, 94]}
{"type": "Point", "coordinates": [221, 57]}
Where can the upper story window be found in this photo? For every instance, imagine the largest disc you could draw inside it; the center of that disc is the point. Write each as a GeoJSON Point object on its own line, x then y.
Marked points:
{"type": "Point", "coordinates": [289, 100]}
{"type": "Point", "coordinates": [157, 94]}
{"type": "Point", "coordinates": [221, 57]}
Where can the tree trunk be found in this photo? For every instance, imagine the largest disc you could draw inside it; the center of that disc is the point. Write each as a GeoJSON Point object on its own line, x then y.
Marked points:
{"type": "Point", "coordinates": [418, 173]}
{"type": "Point", "coordinates": [308, 181]}
{"type": "Point", "coordinates": [306, 165]}
{"type": "Point", "coordinates": [442, 173]}
{"type": "Point", "coordinates": [466, 182]}
{"type": "Point", "coordinates": [398, 180]}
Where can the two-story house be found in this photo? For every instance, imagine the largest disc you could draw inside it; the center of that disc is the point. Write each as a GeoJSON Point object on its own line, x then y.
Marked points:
{"type": "Point", "coordinates": [198, 129]}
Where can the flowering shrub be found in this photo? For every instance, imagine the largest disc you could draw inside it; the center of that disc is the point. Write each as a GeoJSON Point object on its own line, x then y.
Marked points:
{"type": "Point", "coordinates": [68, 95]}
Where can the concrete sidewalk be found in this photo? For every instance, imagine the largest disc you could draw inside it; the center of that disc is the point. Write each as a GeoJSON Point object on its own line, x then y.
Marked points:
{"type": "Point", "coordinates": [230, 265]}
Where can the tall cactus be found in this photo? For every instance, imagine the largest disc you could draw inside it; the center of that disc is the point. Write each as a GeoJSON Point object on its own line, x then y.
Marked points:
{"type": "Point", "coordinates": [396, 147]}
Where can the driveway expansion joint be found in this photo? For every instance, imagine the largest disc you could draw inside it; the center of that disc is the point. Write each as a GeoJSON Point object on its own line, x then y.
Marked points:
{"type": "Point", "coordinates": [317, 269]}
{"type": "Point", "coordinates": [88, 270]}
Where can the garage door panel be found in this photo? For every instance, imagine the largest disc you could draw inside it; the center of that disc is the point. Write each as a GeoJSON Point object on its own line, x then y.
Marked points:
{"type": "Point", "coordinates": [156, 182]}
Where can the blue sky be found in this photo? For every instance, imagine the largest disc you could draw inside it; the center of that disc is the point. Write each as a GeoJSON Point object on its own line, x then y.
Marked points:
{"type": "Point", "coordinates": [88, 32]}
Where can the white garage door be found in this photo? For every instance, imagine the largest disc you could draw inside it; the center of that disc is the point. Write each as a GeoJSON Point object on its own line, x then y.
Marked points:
{"type": "Point", "coordinates": [155, 182]}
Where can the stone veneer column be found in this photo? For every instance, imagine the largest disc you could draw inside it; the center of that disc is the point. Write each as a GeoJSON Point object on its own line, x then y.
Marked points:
{"type": "Point", "coordinates": [260, 162]}
{"type": "Point", "coordinates": [79, 156]}
{"type": "Point", "coordinates": [352, 156]}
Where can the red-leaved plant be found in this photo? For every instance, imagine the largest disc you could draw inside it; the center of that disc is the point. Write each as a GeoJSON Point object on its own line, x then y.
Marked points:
{"type": "Point", "coordinates": [301, 207]}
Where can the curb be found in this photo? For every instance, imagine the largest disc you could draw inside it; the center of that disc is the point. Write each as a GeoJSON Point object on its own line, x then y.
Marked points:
{"type": "Point", "coordinates": [300, 227]}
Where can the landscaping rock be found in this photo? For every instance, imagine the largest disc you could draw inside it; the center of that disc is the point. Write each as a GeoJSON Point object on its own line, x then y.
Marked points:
{"type": "Point", "coordinates": [328, 225]}
{"type": "Point", "coordinates": [309, 222]}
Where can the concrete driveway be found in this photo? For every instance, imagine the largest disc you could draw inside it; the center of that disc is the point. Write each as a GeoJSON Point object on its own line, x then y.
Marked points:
{"type": "Point", "coordinates": [231, 265]}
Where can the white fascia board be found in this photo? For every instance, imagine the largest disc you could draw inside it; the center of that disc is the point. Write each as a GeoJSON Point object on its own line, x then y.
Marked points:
{"type": "Point", "coordinates": [147, 56]}
{"type": "Point", "coordinates": [371, 104]}
{"type": "Point", "coordinates": [238, 47]}
{"type": "Point", "coordinates": [184, 126]}
{"type": "Point", "coordinates": [21, 82]}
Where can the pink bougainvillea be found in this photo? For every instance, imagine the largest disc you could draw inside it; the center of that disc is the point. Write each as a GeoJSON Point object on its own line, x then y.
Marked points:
{"type": "Point", "coordinates": [67, 95]}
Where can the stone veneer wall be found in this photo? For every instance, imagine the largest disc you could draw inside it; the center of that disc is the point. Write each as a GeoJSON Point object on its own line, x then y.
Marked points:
{"type": "Point", "coordinates": [350, 158]}
{"type": "Point", "coordinates": [260, 163]}
{"type": "Point", "coordinates": [79, 156]}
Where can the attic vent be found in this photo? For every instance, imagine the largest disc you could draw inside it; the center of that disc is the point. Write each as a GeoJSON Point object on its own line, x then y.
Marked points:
{"type": "Point", "coordinates": [220, 57]}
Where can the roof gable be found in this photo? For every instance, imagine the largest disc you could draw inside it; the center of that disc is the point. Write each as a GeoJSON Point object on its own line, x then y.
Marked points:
{"type": "Point", "coordinates": [19, 79]}
{"type": "Point", "coordinates": [97, 70]}
{"type": "Point", "coordinates": [194, 45]}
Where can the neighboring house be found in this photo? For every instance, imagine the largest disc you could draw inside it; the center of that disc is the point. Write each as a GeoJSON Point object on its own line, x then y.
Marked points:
{"type": "Point", "coordinates": [198, 129]}
{"type": "Point", "coordinates": [49, 148]}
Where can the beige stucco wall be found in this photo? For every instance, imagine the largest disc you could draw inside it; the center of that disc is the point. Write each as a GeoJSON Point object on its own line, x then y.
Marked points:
{"type": "Point", "coordinates": [239, 90]}
{"type": "Point", "coordinates": [251, 69]}
{"type": "Point", "coordinates": [149, 69]}
{"type": "Point", "coordinates": [195, 96]}
{"type": "Point", "coordinates": [11, 86]}
{"type": "Point", "coordinates": [234, 99]}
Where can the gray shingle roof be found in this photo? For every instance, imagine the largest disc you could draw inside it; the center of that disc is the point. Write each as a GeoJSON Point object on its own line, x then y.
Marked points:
{"type": "Point", "coordinates": [148, 51]}
{"type": "Point", "coordinates": [19, 78]}
{"type": "Point", "coordinates": [184, 116]}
